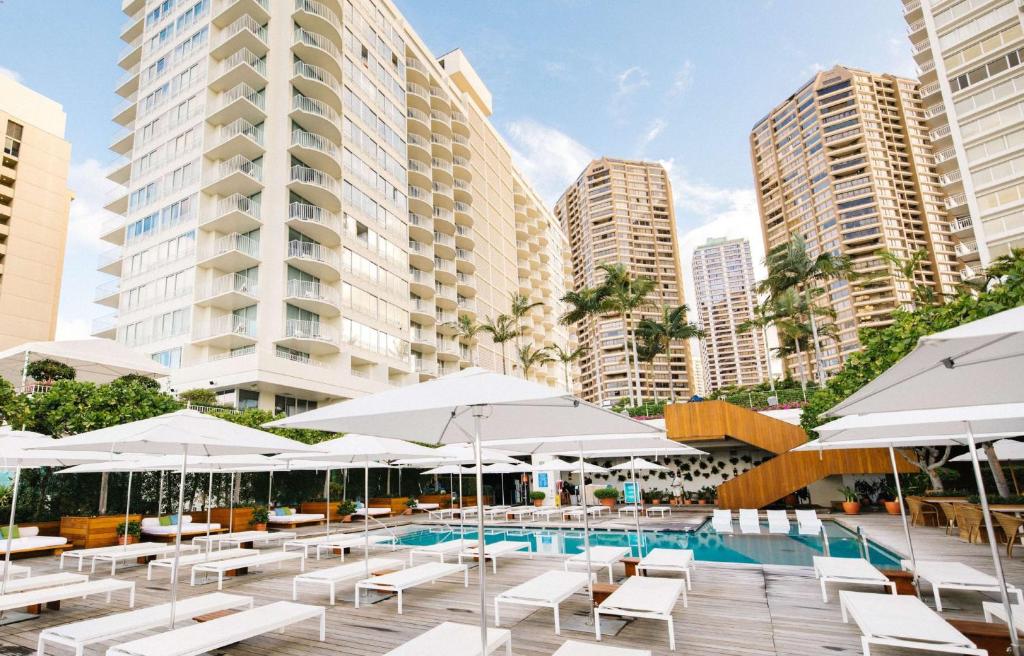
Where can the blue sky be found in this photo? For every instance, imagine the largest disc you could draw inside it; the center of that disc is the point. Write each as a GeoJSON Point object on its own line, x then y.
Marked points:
{"type": "Point", "coordinates": [676, 81]}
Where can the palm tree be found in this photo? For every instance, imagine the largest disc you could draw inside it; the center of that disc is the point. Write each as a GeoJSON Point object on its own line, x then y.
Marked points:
{"type": "Point", "coordinates": [787, 312]}
{"type": "Point", "coordinates": [567, 357]}
{"type": "Point", "coordinates": [761, 320]}
{"type": "Point", "coordinates": [790, 266]}
{"type": "Point", "coordinates": [924, 294]}
{"type": "Point", "coordinates": [521, 306]}
{"type": "Point", "coordinates": [502, 330]}
{"type": "Point", "coordinates": [671, 327]}
{"type": "Point", "coordinates": [582, 305]}
{"type": "Point", "coordinates": [623, 295]}
{"type": "Point", "coordinates": [530, 357]}
{"type": "Point", "coordinates": [467, 329]}
{"type": "Point", "coordinates": [650, 347]}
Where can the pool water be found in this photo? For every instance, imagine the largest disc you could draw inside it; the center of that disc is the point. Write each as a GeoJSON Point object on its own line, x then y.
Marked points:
{"type": "Point", "coordinates": [707, 545]}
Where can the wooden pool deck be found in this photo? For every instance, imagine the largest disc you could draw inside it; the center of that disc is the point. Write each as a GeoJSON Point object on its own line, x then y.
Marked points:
{"type": "Point", "coordinates": [735, 610]}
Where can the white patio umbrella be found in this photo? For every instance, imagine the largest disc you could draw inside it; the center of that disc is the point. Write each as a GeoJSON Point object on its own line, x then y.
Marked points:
{"type": "Point", "coordinates": [327, 467]}
{"type": "Point", "coordinates": [459, 454]}
{"type": "Point", "coordinates": [473, 405]}
{"type": "Point", "coordinates": [184, 433]}
{"type": "Point", "coordinates": [502, 468]}
{"type": "Point", "coordinates": [1006, 451]}
{"type": "Point", "coordinates": [634, 464]}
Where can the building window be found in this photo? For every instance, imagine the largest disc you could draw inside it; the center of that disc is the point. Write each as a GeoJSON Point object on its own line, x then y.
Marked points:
{"type": "Point", "coordinates": [248, 399]}
{"type": "Point", "coordinates": [292, 406]}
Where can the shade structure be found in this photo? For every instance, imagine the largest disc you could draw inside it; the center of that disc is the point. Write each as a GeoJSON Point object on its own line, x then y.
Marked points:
{"type": "Point", "coordinates": [473, 405]}
{"type": "Point", "coordinates": [1005, 450]}
{"type": "Point", "coordinates": [557, 464]}
{"type": "Point", "coordinates": [508, 468]}
{"type": "Point", "coordinates": [639, 464]}
{"type": "Point", "coordinates": [571, 444]}
{"type": "Point", "coordinates": [672, 448]}
{"type": "Point", "coordinates": [973, 364]}
{"type": "Point", "coordinates": [457, 453]}
{"type": "Point", "coordinates": [94, 360]}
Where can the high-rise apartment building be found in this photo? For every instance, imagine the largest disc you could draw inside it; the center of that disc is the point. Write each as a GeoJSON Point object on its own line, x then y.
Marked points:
{"type": "Point", "coordinates": [723, 277]}
{"type": "Point", "coordinates": [34, 206]}
{"type": "Point", "coordinates": [970, 57]}
{"type": "Point", "coordinates": [621, 212]}
{"type": "Point", "coordinates": [312, 200]}
{"type": "Point", "coordinates": [846, 163]}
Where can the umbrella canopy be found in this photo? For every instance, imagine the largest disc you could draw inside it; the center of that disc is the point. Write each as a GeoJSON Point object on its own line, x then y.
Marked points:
{"type": "Point", "coordinates": [972, 364]}
{"type": "Point", "coordinates": [933, 427]}
{"type": "Point", "coordinates": [362, 448]}
{"type": "Point", "coordinates": [94, 360]}
{"type": "Point", "coordinates": [629, 444]}
{"type": "Point", "coordinates": [639, 464]}
{"type": "Point", "coordinates": [515, 467]}
{"type": "Point", "coordinates": [196, 465]}
{"type": "Point", "coordinates": [1005, 450]}
{"type": "Point", "coordinates": [457, 454]}
{"type": "Point", "coordinates": [557, 464]}
{"type": "Point", "coordinates": [446, 470]}
{"type": "Point", "coordinates": [670, 448]}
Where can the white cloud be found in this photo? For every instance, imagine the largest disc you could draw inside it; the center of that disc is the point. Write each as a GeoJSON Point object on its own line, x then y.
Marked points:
{"type": "Point", "coordinates": [683, 80]}
{"type": "Point", "coordinates": [7, 72]}
{"type": "Point", "coordinates": [655, 129]}
{"type": "Point", "coordinates": [901, 61]}
{"type": "Point", "coordinates": [548, 158]}
{"type": "Point", "coordinates": [92, 191]}
{"type": "Point", "coordinates": [68, 328]}
{"type": "Point", "coordinates": [631, 80]}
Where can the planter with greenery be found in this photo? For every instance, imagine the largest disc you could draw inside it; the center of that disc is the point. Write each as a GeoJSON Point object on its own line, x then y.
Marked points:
{"type": "Point", "coordinates": [49, 371]}
{"type": "Point", "coordinates": [259, 518]}
{"type": "Point", "coordinates": [410, 504]}
{"type": "Point", "coordinates": [851, 503]}
{"type": "Point", "coordinates": [345, 510]}
{"type": "Point", "coordinates": [606, 496]}
{"type": "Point", "coordinates": [537, 497]}
{"type": "Point", "coordinates": [129, 534]}
{"type": "Point", "coordinates": [706, 495]}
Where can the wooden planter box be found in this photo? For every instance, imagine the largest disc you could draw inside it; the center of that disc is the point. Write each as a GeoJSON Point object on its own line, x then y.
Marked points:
{"type": "Point", "coordinates": [471, 501]}
{"type": "Point", "coordinates": [89, 532]}
{"type": "Point", "coordinates": [320, 508]}
{"type": "Point", "coordinates": [222, 516]}
{"type": "Point", "coordinates": [443, 500]}
{"type": "Point", "coordinates": [395, 504]}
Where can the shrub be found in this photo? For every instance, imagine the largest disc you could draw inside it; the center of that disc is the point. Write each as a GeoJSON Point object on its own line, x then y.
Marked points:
{"type": "Point", "coordinates": [198, 397]}
{"type": "Point", "coordinates": [346, 507]}
{"type": "Point", "coordinates": [134, 529]}
{"type": "Point", "coordinates": [537, 495]}
{"type": "Point", "coordinates": [606, 493]}
{"type": "Point", "coordinates": [49, 370]}
{"type": "Point", "coordinates": [137, 379]}
{"type": "Point", "coordinates": [411, 502]}
{"type": "Point", "coordinates": [260, 515]}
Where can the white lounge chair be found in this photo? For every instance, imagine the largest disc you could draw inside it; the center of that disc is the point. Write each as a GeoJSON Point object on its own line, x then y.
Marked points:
{"type": "Point", "coordinates": [577, 513]}
{"type": "Point", "coordinates": [84, 554]}
{"type": "Point", "coordinates": [778, 521]}
{"type": "Point", "coordinates": [645, 597]}
{"type": "Point", "coordinates": [547, 512]}
{"type": "Point", "coordinates": [957, 576]}
{"type": "Point", "coordinates": [721, 521]}
{"type": "Point", "coordinates": [577, 648]}
{"type": "Point", "coordinates": [547, 590]}
{"type": "Point", "coordinates": [855, 571]}
{"type": "Point", "coordinates": [519, 512]}
{"type": "Point", "coordinates": [295, 519]}
{"type": "Point", "coordinates": [452, 639]}
{"type": "Point", "coordinates": [331, 577]}
{"type": "Point", "coordinates": [495, 550]}
{"type": "Point", "coordinates": [629, 510]}
{"type": "Point", "coordinates": [243, 538]}
{"type": "Point", "coordinates": [151, 526]}
{"type": "Point", "coordinates": [440, 513]}
{"type": "Point", "coordinates": [354, 541]}
{"type": "Point", "coordinates": [223, 631]}
{"type": "Point", "coordinates": [441, 549]}
{"type": "Point", "coordinates": [600, 558]}
{"type": "Point", "coordinates": [808, 523]}
{"type": "Point", "coordinates": [196, 559]}
{"type": "Point", "coordinates": [44, 581]}
{"type": "Point", "coordinates": [29, 542]}
{"type": "Point", "coordinates": [373, 512]}
{"type": "Point", "coordinates": [658, 510]}
{"type": "Point", "coordinates": [902, 621]}
{"type": "Point", "coordinates": [38, 597]}
{"type": "Point", "coordinates": [148, 550]}
{"type": "Point", "coordinates": [401, 581]}
{"type": "Point", "coordinates": [16, 570]}
{"type": "Point", "coordinates": [749, 521]}
{"type": "Point", "coordinates": [79, 635]}
{"type": "Point", "coordinates": [995, 609]}
{"type": "Point", "coordinates": [669, 560]}
{"type": "Point", "coordinates": [221, 567]}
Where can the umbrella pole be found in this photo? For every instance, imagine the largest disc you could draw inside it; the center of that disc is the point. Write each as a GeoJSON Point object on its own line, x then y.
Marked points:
{"type": "Point", "coordinates": [209, 500]}
{"type": "Point", "coordinates": [127, 507]}
{"type": "Point", "coordinates": [637, 504]}
{"type": "Point", "coordinates": [10, 531]}
{"type": "Point", "coordinates": [177, 539]}
{"type": "Point", "coordinates": [160, 496]}
{"type": "Point", "coordinates": [327, 494]}
{"type": "Point", "coordinates": [1014, 641]}
{"type": "Point", "coordinates": [462, 514]}
{"type": "Point", "coordinates": [502, 489]}
{"type": "Point", "coordinates": [586, 530]}
{"type": "Point", "coordinates": [270, 488]}
{"type": "Point", "coordinates": [903, 516]}
{"type": "Point", "coordinates": [481, 544]}
{"type": "Point", "coordinates": [366, 518]}
{"type": "Point", "coordinates": [231, 505]}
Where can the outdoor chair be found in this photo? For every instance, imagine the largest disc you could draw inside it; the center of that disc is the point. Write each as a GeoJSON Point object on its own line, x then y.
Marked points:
{"type": "Point", "coordinates": [968, 519]}
{"type": "Point", "coordinates": [949, 512]}
{"type": "Point", "coordinates": [1011, 526]}
{"type": "Point", "coordinates": [921, 513]}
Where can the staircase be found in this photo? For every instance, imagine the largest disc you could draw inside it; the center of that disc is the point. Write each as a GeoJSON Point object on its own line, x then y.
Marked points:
{"type": "Point", "coordinates": [788, 471]}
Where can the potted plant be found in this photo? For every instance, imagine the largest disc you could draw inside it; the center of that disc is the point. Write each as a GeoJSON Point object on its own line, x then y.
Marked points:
{"type": "Point", "coordinates": [851, 503]}
{"type": "Point", "coordinates": [537, 497]}
{"type": "Point", "coordinates": [687, 499]}
{"type": "Point", "coordinates": [888, 496]}
{"type": "Point", "coordinates": [410, 504]}
{"type": "Point", "coordinates": [345, 509]}
{"type": "Point", "coordinates": [258, 521]}
{"type": "Point", "coordinates": [606, 496]}
{"type": "Point", "coordinates": [130, 533]}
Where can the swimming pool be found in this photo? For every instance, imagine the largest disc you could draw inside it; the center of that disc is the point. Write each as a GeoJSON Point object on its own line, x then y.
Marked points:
{"type": "Point", "coordinates": [707, 545]}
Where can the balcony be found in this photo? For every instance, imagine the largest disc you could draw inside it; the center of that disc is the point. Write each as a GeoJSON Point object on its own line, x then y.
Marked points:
{"type": "Point", "coordinates": [104, 327]}
{"type": "Point", "coordinates": [228, 292]}
{"type": "Point", "coordinates": [962, 223]}
{"type": "Point", "coordinates": [447, 349]}
{"type": "Point", "coordinates": [424, 340]}
{"type": "Point", "coordinates": [466, 284]}
{"type": "Point", "coordinates": [128, 83]}
{"type": "Point", "coordinates": [244, 33]}
{"type": "Point", "coordinates": [318, 50]}
{"type": "Point", "coordinates": [419, 121]}
{"type": "Point", "coordinates": [945, 155]}
{"type": "Point", "coordinates": [444, 296]}
{"type": "Point", "coordinates": [419, 147]}
{"type": "Point", "coordinates": [316, 186]}
{"type": "Point", "coordinates": [118, 204]}
{"type": "Point", "coordinates": [966, 248]}
{"type": "Point", "coordinates": [444, 245]}
{"type": "Point", "coordinates": [315, 222]}
{"type": "Point", "coordinates": [316, 151]}
{"type": "Point", "coordinates": [421, 311]}
{"type": "Point", "coordinates": [132, 28]}
{"type": "Point", "coordinates": [315, 259]}
{"type": "Point", "coordinates": [421, 255]}
{"type": "Point", "coordinates": [957, 200]}
{"type": "Point", "coordinates": [460, 145]}
{"type": "Point", "coordinates": [108, 293]}
{"type": "Point", "coordinates": [109, 261]}
{"type": "Point", "coordinates": [467, 305]}
{"type": "Point", "coordinates": [232, 252]}
{"type": "Point", "coordinates": [425, 369]}
{"type": "Point", "coordinates": [239, 137]}
{"type": "Point", "coordinates": [236, 213]}
{"type": "Point", "coordinates": [316, 116]}
{"type": "Point", "coordinates": [113, 230]}
{"type": "Point", "coordinates": [313, 296]}
{"type": "Point", "coordinates": [226, 12]}
{"type": "Point", "coordinates": [464, 260]}
{"type": "Point", "coordinates": [421, 282]}
{"type": "Point", "coordinates": [243, 67]}
{"type": "Point", "coordinates": [463, 213]}
{"type": "Point", "coordinates": [131, 54]}
{"type": "Point", "coordinates": [950, 178]}
{"type": "Point", "coordinates": [240, 102]}
{"type": "Point", "coordinates": [446, 321]}
{"type": "Point", "coordinates": [318, 17]}
{"type": "Point", "coordinates": [929, 89]}
{"type": "Point", "coordinates": [238, 175]}
{"type": "Point", "coordinates": [935, 110]}
{"type": "Point", "coordinates": [226, 332]}
{"type": "Point", "coordinates": [418, 92]}
{"type": "Point", "coordinates": [124, 142]}
{"type": "Point", "coordinates": [309, 336]}
{"type": "Point", "coordinates": [121, 172]}
{"type": "Point", "coordinates": [464, 237]}
{"type": "Point", "coordinates": [461, 168]}
{"type": "Point", "coordinates": [317, 83]}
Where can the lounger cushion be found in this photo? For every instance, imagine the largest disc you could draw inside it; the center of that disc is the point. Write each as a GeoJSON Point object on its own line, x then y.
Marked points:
{"type": "Point", "coordinates": [165, 521]}
{"type": "Point", "coordinates": [296, 518]}
{"type": "Point", "coordinates": [33, 542]}
{"type": "Point", "coordinates": [12, 532]}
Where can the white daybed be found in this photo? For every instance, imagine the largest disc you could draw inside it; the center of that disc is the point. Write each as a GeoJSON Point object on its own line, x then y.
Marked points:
{"type": "Point", "coordinates": [452, 639]}
{"type": "Point", "coordinates": [600, 558]}
{"type": "Point", "coordinates": [547, 590]}
{"type": "Point", "coordinates": [333, 576]}
{"type": "Point", "coordinates": [405, 579]}
{"type": "Point", "coordinates": [855, 571]}
{"type": "Point", "coordinates": [644, 597]}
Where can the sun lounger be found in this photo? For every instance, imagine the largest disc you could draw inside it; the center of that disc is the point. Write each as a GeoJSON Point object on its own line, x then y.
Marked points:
{"type": "Point", "coordinates": [957, 576]}
{"type": "Point", "coordinates": [441, 549]}
{"type": "Point", "coordinates": [209, 636]}
{"type": "Point", "coordinates": [600, 557]}
{"type": "Point", "coordinates": [295, 519]}
{"type": "Point", "coordinates": [451, 639]}
{"type": "Point", "coordinates": [404, 579]}
{"type": "Point", "coordinates": [749, 521]}
{"type": "Point", "coordinates": [645, 597]}
{"type": "Point", "coordinates": [332, 576]}
{"type": "Point", "coordinates": [495, 550]}
{"type": "Point", "coordinates": [577, 648]}
{"type": "Point", "coordinates": [577, 513]}
{"type": "Point", "coordinates": [147, 551]}
{"type": "Point", "coordinates": [668, 560]}
{"type": "Point", "coordinates": [84, 554]}
{"type": "Point", "coordinates": [426, 507]}
{"type": "Point", "coordinates": [221, 567]}
{"type": "Point", "coordinates": [721, 521]}
{"type": "Point", "coordinates": [659, 510]}
{"type": "Point", "coordinates": [196, 559]}
{"type": "Point", "coordinates": [808, 523]}
{"type": "Point", "coordinates": [547, 590]}
{"type": "Point", "coordinates": [902, 621]}
{"type": "Point", "coordinates": [337, 542]}
{"type": "Point", "coordinates": [994, 609]}
{"type": "Point", "coordinates": [152, 527]}
{"type": "Point", "coordinates": [31, 543]}
{"type": "Point", "coordinates": [44, 581]}
{"type": "Point", "coordinates": [519, 511]}
{"type": "Point", "coordinates": [16, 570]}
{"type": "Point", "coordinates": [373, 512]}
{"type": "Point", "coordinates": [54, 595]}
{"type": "Point", "coordinates": [242, 538]}
{"type": "Point", "coordinates": [79, 635]}
{"type": "Point", "coordinates": [629, 510]}
{"type": "Point", "coordinates": [856, 571]}
{"type": "Point", "coordinates": [441, 513]}
{"type": "Point", "coordinates": [778, 522]}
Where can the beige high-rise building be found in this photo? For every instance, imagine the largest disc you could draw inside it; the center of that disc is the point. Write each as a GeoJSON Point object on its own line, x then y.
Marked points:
{"type": "Point", "coordinates": [34, 206]}
{"type": "Point", "coordinates": [312, 200]}
{"type": "Point", "coordinates": [846, 163]}
{"type": "Point", "coordinates": [723, 275]}
{"type": "Point", "coordinates": [970, 57]}
{"type": "Point", "coordinates": [621, 212]}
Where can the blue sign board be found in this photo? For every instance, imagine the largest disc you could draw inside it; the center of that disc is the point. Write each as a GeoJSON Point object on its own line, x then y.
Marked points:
{"type": "Point", "coordinates": [542, 479]}
{"type": "Point", "coordinates": [629, 492]}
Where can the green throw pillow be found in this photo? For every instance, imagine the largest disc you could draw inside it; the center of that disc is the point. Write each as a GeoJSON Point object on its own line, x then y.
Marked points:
{"type": "Point", "coordinates": [165, 520]}
{"type": "Point", "coordinates": [289, 511]}
{"type": "Point", "coordinates": [14, 534]}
